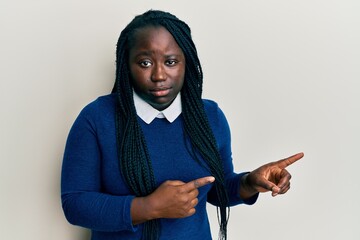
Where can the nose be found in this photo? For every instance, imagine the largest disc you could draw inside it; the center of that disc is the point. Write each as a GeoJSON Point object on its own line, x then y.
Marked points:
{"type": "Point", "coordinates": [158, 74]}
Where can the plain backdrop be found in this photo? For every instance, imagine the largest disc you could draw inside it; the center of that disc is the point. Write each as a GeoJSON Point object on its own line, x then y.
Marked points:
{"type": "Point", "coordinates": [286, 73]}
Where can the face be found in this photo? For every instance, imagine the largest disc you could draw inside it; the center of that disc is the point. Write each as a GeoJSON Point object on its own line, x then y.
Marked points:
{"type": "Point", "coordinates": [157, 66]}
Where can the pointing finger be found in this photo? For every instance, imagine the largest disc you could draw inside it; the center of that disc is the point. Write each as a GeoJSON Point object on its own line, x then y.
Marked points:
{"type": "Point", "coordinates": [290, 160]}
{"type": "Point", "coordinates": [200, 182]}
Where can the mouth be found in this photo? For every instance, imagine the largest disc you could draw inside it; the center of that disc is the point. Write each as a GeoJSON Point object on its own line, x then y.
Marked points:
{"type": "Point", "coordinates": [160, 92]}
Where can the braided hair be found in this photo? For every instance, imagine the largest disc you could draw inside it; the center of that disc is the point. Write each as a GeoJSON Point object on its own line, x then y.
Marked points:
{"type": "Point", "coordinates": [135, 162]}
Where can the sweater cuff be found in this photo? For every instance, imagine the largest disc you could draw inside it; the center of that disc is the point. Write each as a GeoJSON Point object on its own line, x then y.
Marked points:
{"type": "Point", "coordinates": [252, 199]}
{"type": "Point", "coordinates": [127, 214]}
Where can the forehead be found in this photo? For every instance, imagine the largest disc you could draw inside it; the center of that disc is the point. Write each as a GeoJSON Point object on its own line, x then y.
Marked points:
{"type": "Point", "coordinates": [153, 38]}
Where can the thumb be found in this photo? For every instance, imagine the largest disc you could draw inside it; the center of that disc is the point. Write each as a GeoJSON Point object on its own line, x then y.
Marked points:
{"type": "Point", "coordinates": [265, 186]}
{"type": "Point", "coordinates": [275, 190]}
{"type": "Point", "coordinates": [174, 183]}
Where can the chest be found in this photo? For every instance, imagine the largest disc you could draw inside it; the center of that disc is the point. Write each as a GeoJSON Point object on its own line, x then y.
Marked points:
{"type": "Point", "coordinates": [171, 155]}
{"type": "Point", "coordinates": [171, 152]}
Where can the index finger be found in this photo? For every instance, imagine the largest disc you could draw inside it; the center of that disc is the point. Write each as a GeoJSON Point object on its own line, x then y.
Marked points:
{"type": "Point", "coordinates": [290, 160]}
{"type": "Point", "coordinates": [197, 183]}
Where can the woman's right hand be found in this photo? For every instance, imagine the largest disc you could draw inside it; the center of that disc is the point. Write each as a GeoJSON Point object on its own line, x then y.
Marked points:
{"type": "Point", "coordinates": [172, 199]}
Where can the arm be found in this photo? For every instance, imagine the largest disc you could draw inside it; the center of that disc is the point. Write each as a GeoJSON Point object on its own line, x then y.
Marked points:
{"type": "Point", "coordinates": [233, 181]}
{"type": "Point", "coordinates": [83, 200]}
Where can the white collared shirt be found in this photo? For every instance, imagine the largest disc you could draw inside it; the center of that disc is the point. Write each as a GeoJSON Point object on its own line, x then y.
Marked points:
{"type": "Point", "coordinates": [147, 113]}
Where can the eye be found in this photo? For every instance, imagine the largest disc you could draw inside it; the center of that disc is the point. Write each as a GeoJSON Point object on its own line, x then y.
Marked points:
{"type": "Point", "coordinates": [171, 62]}
{"type": "Point", "coordinates": [145, 63]}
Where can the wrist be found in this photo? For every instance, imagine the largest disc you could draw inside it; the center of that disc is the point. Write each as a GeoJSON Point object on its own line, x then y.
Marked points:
{"type": "Point", "coordinates": [141, 210]}
{"type": "Point", "coordinates": [246, 188]}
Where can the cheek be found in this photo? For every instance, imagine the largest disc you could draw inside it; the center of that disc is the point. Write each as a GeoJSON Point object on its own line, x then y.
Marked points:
{"type": "Point", "coordinates": [182, 78]}
{"type": "Point", "coordinates": [137, 78]}
{"type": "Point", "coordinates": [178, 73]}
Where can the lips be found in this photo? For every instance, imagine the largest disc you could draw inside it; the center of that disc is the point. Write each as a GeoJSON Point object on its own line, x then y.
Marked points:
{"type": "Point", "coordinates": [160, 92]}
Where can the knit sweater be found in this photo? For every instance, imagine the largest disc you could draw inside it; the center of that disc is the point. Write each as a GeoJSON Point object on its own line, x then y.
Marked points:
{"type": "Point", "coordinates": [94, 193]}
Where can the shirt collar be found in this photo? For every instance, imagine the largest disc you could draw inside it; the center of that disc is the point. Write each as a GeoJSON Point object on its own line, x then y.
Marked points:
{"type": "Point", "coordinates": [147, 113]}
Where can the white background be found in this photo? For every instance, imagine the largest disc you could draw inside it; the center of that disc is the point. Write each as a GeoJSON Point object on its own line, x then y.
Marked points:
{"type": "Point", "coordinates": [286, 73]}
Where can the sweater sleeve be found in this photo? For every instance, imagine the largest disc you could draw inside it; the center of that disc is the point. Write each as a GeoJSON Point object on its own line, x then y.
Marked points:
{"type": "Point", "coordinates": [83, 202]}
{"type": "Point", "coordinates": [222, 134]}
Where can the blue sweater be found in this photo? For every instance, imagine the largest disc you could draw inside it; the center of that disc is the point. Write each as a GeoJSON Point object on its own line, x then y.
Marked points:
{"type": "Point", "coordinates": [94, 194]}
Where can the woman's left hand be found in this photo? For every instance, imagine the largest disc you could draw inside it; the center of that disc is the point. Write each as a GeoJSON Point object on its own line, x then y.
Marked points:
{"type": "Point", "coordinates": [269, 177]}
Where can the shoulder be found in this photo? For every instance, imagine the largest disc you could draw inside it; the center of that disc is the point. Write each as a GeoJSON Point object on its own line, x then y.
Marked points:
{"type": "Point", "coordinates": [214, 113]}
{"type": "Point", "coordinates": [213, 110]}
{"type": "Point", "coordinates": [97, 112]}
{"type": "Point", "coordinates": [101, 105]}
{"type": "Point", "coordinates": [95, 116]}
{"type": "Point", "coordinates": [105, 101]}
{"type": "Point", "coordinates": [210, 104]}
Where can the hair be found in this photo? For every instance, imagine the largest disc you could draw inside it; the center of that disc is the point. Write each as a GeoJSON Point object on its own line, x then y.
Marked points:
{"type": "Point", "coordinates": [134, 159]}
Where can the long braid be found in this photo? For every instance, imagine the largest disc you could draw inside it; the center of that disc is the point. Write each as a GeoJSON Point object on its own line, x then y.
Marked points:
{"type": "Point", "coordinates": [135, 162]}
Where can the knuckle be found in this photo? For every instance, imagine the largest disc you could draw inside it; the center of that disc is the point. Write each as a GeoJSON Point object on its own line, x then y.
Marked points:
{"type": "Point", "coordinates": [184, 199]}
{"type": "Point", "coordinates": [196, 192]}
{"type": "Point", "coordinates": [190, 212]}
{"type": "Point", "coordinates": [167, 182]}
{"type": "Point", "coordinates": [180, 191]}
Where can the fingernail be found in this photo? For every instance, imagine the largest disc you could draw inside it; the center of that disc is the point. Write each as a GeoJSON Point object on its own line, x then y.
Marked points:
{"type": "Point", "coordinates": [211, 179]}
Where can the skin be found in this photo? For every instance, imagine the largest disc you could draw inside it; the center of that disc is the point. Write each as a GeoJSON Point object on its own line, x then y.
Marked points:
{"type": "Point", "coordinates": [157, 66]}
{"type": "Point", "coordinates": [271, 177]}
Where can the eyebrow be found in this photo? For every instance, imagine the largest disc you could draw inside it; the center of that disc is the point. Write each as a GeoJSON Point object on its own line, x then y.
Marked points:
{"type": "Point", "coordinates": [149, 53]}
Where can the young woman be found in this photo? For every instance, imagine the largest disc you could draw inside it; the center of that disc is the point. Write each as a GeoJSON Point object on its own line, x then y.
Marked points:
{"type": "Point", "coordinates": [142, 162]}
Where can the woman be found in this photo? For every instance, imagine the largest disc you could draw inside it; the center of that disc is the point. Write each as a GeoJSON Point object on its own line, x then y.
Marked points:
{"type": "Point", "coordinates": [142, 162]}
